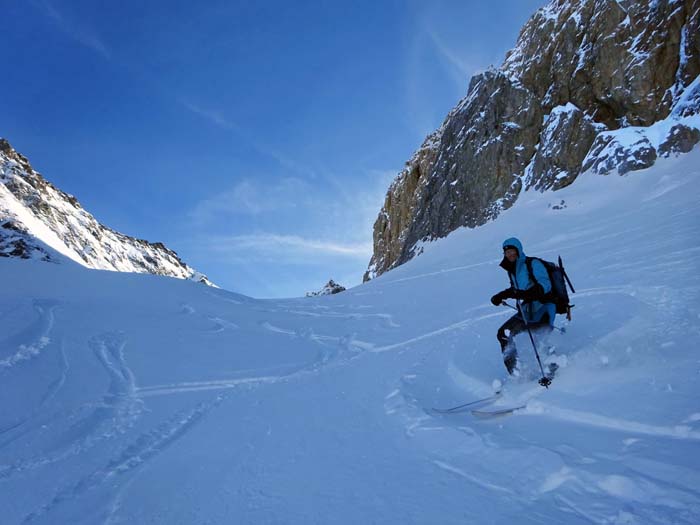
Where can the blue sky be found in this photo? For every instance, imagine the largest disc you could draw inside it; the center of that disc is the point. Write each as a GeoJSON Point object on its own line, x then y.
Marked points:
{"type": "Point", "coordinates": [256, 139]}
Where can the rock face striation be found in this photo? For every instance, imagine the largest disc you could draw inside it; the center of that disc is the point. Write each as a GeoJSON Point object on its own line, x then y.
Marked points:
{"type": "Point", "coordinates": [601, 85]}
{"type": "Point", "coordinates": [39, 221]}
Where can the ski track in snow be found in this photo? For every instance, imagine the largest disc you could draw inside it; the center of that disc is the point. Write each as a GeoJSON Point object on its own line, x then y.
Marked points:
{"type": "Point", "coordinates": [138, 452]}
{"type": "Point", "coordinates": [387, 319]}
{"type": "Point", "coordinates": [195, 386]}
{"type": "Point", "coordinates": [17, 430]}
{"type": "Point", "coordinates": [187, 309]}
{"type": "Point", "coordinates": [335, 351]}
{"type": "Point", "coordinates": [119, 410]}
{"type": "Point", "coordinates": [222, 324]}
{"type": "Point", "coordinates": [596, 420]}
{"type": "Point", "coordinates": [440, 272]}
{"type": "Point", "coordinates": [113, 416]}
{"type": "Point", "coordinates": [40, 332]}
{"type": "Point", "coordinates": [472, 479]}
{"type": "Point", "coordinates": [333, 348]}
{"type": "Point", "coordinates": [439, 332]}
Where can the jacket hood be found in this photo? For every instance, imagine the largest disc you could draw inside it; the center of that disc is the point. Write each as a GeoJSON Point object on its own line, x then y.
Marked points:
{"type": "Point", "coordinates": [513, 241]}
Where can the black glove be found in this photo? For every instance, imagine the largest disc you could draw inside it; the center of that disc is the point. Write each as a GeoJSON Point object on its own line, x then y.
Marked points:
{"type": "Point", "coordinates": [502, 296]}
{"type": "Point", "coordinates": [534, 293]}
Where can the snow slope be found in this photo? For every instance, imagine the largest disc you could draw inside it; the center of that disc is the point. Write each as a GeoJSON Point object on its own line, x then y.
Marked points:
{"type": "Point", "coordinates": [142, 399]}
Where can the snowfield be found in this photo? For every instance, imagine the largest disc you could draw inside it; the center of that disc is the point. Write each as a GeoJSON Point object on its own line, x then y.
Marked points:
{"type": "Point", "coordinates": [131, 398]}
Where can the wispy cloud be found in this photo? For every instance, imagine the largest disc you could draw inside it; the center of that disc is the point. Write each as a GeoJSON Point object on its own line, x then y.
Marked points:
{"type": "Point", "coordinates": [292, 221]}
{"type": "Point", "coordinates": [76, 29]}
{"type": "Point", "coordinates": [212, 116]}
{"type": "Point", "coordinates": [218, 118]}
{"type": "Point", "coordinates": [437, 38]}
{"type": "Point", "coordinates": [286, 246]}
{"type": "Point", "coordinates": [252, 197]}
{"type": "Point", "coordinates": [327, 204]}
{"type": "Point", "coordinates": [462, 69]}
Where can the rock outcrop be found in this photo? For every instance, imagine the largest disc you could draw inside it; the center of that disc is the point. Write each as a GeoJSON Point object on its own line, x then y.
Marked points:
{"type": "Point", "coordinates": [39, 221]}
{"type": "Point", "coordinates": [680, 139]}
{"type": "Point", "coordinates": [330, 288]}
{"type": "Point", "coordinates": [580, 76]}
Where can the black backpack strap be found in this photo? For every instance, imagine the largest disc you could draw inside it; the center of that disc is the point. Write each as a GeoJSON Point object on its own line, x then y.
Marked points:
{"type": "Point", "coordinates": [528, 264]}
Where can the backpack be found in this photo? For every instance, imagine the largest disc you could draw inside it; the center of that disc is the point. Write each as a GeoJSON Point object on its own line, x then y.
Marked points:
{"type": "Point", "coordinates": [557, 276]}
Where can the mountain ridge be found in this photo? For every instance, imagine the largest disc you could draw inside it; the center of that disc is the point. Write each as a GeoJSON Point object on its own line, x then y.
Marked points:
{"type": "Point", "coordinates": [38, 220]}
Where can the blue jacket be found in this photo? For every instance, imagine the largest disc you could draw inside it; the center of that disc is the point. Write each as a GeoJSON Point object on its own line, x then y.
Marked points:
{"type": "Point", "coordinates": [520, 280]}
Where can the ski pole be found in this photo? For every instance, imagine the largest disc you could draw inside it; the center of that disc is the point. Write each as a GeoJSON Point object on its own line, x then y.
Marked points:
{"type": "Point", "coordinates": [545, 381]}
{"type": "Point", "coordinates": [561, 265]}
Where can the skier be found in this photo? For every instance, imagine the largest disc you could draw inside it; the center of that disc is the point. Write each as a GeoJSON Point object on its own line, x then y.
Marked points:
{"type": "Point", "coordinates": [538, 313]}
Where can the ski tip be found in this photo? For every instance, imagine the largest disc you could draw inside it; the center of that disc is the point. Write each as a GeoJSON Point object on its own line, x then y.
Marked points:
{"type": "Point", "coordinates": [467, 406]}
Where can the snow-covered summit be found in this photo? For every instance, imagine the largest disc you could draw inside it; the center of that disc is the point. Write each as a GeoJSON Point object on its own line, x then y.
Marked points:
{"type": "Point", "coordinates": [39, 221]}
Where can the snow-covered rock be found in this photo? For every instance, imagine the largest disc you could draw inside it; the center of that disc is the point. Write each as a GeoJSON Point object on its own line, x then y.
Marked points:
{"type": "Point", "coordinates": [557, 162]}
{"type": "Point", "coordinates": [330, 288]}
{"type": "Point", "coordinates": [39, 221]}
{"type": "Point", "coordinates": [583, 82]}
{"type": "Point", "coordinates": [637, 147]}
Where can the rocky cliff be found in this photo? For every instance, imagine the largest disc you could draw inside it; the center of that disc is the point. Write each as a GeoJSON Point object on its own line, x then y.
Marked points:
{"type": "Point", "coordinates": [39, 221]}
{"type": "Point", "coordinates": [601, 85]}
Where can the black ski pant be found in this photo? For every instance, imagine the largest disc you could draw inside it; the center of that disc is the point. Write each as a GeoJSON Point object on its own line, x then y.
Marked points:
{"type": "Point", "coordinates": [512, 327]}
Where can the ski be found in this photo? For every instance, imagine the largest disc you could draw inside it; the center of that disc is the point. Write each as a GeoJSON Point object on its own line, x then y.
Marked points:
{"type": "Point", "coordinates": [467, 406]}
{"type": "Point", "coordinates": [490, 414]}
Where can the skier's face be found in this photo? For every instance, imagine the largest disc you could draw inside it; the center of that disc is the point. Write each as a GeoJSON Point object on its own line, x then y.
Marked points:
{"type": "Point", "coordinates": [511, 254]}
